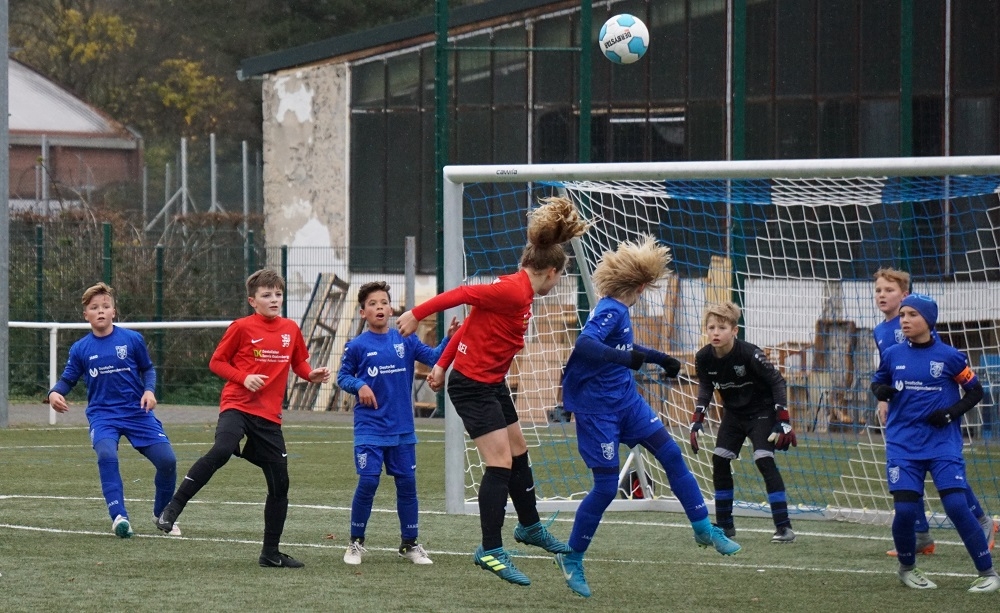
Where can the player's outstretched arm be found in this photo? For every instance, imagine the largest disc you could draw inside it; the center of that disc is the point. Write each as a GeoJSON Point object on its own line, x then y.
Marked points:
{"type": "Point", "coordinates": [319, 375]}
{"type": "Point", "coordinates": [407, 323]}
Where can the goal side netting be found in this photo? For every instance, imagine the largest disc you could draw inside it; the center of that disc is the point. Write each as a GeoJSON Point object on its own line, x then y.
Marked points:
{"type": "Point", "coordinates": [795, 243]}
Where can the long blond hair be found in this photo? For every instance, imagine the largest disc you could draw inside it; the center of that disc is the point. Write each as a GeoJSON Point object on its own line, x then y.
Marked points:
{"type": "Point", "coordinates": [549, 226]}
{"type": "Point", "coordinates": [623, 271]}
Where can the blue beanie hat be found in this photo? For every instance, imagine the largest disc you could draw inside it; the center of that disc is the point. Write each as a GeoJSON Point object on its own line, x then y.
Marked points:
{"type": "Point", "coordinates": [924, 305]}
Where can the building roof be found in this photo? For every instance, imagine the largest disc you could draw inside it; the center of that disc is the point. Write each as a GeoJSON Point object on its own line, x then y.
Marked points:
{"type": "Point", "coordinates": [38, 107]}
{"type": "Point", "coordinates": [383, 35]}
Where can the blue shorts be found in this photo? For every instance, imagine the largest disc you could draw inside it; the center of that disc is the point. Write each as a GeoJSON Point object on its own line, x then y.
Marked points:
{"type": "Point", "coordinates": [142, 429]}
{"type": "Point", "coordinates": [599, 434]}
{"type": "Point", "coordinates": [400, 460]}
{"type": "Point", "coordinates": [908, 475]}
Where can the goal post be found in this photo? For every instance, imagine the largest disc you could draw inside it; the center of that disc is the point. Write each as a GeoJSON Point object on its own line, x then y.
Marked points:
{"type": "Point", "coordinates": [795, 243]}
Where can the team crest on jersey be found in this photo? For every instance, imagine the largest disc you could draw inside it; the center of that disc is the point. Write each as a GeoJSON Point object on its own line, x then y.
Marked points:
{"type": "Point", "coordinates": [362, 460]}
{"type": "Point", "coordinates": [893, 474]}
{"type": "Point", "coordinates": [936, 369]}
{"type": "Point", "coordinates": [900, 337]}
{"type": "Point", "coordinates": [400, 349]}
{"type": "Point", "coordinates": [741, 371]}
{"type": "Point", "coordinates": [607, 450]}
{"type": "Point", "coordinates": [286, 340]}
{"type": "Point", "coordinates": [121, 351]}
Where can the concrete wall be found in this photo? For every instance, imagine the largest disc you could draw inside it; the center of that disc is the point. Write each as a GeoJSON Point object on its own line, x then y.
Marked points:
{"type": "Point", "coordinates": [306, 154]}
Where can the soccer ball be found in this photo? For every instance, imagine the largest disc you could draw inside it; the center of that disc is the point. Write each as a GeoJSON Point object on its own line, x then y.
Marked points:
{"type": "Point", "coordinates": [624, 39]}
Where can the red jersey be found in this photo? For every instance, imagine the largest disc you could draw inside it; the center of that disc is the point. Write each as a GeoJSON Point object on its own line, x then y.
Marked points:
{"type": "Point", "coordinates": [493, 332]}
{"type": "Point", "coordinates": [257, 345]}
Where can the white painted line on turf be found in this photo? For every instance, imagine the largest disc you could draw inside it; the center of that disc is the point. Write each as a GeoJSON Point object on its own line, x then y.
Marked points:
{"type": "Point", "coordinates": [569, 520]}
{"type": "Point", "coordinates": [514, 553]}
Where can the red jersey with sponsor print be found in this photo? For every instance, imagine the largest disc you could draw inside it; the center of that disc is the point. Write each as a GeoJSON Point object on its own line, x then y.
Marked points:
{"type": "Point", "coordinates": [258, 345]}
{"type": "Point", "coordinates": [493, 332]}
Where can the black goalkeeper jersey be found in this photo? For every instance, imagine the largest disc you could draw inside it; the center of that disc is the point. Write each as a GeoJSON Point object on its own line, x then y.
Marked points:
{"type": "Point", "coordinates": [745, 378]}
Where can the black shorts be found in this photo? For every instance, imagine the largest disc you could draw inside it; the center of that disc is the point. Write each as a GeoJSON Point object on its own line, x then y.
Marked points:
{"type": "Point", "coordinates": [736, 428]}
{"type": "Point", "coordinates": [265, 441]}
{"type": "Point", "coordinates": [483, 407]}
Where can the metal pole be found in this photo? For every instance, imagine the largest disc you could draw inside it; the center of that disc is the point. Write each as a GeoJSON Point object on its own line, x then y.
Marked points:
{"type": "Point", "coordinates": [906, 78]}
{"type": "Point", "coordinates": [410, 271]}
{"type": "Point", "coordinates": [586, 57]}
{"type": "Point", "coordinates": [4, 220]}
{"type": "Point", "coordinates": [53, 359]}
{"type": "Point", "coordinates": [107, 252]}
{"type": "Point", "coordinates": [906, 122]}
{"type": "Point", "coordinates": [454, 432]}
{"type": "Point", "coordinates": [213, 172]}
{"type": "Point", "coordinates": [145, 195]}
{"type": "Point", "coordinates": [246, 195]}
{"type": "Point", "coordinates": [284, 275]}
{"type": "Point", "coordinates": [738, 62]}
{"type": "Point", "coordinates": [252, 260]}
{"type": "Point", "coordinates": [167, 180]}
{"type": "Point", "coordinates": [40, 293]}
{"type": "Point", "coordinates": [158, 334]}
{"type": "Point", "coordinates": [184, 177]}
{"type": "Point", "coordinates": [45, 172]}
{"type": "Point", "coordinates": [441, 127]}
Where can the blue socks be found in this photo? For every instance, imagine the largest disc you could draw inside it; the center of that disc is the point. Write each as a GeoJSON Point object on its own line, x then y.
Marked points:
{"type": "Point", "coordinates": [111, 478]}
{"type": "Point", "coordinates": [591, 509]}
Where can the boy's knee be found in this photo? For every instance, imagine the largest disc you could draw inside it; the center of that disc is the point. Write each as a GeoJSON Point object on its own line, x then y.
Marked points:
{"type": "Point", "coordinates": [106, 450]}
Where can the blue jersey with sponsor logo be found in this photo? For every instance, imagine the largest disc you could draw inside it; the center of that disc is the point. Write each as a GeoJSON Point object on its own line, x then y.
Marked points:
{"type": "Point", "coordinates": [385, 363]}
{"type": "Point", "coordinates": [594, 385]}
{"type": "Point", "coordinates": [116, 369]}
{"type": "Point", "coordinates": [926, 378]}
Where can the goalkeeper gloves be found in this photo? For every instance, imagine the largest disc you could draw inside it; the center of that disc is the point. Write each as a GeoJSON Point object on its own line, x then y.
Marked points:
{"type": "Point", "coordinates": [782, 434]}
{"type": "Point", "coordinates": [697, 418]}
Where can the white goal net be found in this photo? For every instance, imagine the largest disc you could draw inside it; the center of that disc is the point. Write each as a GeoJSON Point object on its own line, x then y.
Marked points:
{"type": "Point", "coordinates": [795, 243]}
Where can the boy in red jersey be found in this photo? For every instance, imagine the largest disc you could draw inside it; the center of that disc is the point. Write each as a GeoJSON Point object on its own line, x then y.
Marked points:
{"type": "Point", "coordinates": [483, 349]}
{"type": "Point", "coordinates": [254, 357]}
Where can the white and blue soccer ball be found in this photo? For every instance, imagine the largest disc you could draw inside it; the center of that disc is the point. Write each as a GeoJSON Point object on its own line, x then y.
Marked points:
{"type": "Point", "coordinates": [624, 39]}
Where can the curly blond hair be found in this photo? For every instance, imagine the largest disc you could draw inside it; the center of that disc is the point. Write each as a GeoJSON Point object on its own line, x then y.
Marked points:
{"type": "Point", "coordinates": [549, 226]}
{"type": "Point", "coordinates": [623, 271]}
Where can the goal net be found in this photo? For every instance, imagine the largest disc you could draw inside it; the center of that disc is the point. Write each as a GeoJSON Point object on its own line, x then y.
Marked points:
{"type": "Point", "coordinates": [795, 243]}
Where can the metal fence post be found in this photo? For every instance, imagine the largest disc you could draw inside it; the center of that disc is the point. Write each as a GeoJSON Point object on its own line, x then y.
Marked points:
{"type": "Point", "coordinates": [107, 252]}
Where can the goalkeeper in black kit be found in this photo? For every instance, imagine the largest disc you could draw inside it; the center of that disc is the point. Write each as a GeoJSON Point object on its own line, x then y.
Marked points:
{"type": "Point", "coordinates": [753, 401]}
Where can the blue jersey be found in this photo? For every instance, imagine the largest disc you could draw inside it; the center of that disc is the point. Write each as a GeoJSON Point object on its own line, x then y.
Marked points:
{"type": "Point", "coordinates": [385, 363]}
{"type": "Point", "coordinates": [117, 372]}
{"type": "Point", "coordinates": [595, 385]}
{"type": "Point", "coordinates": [926, 378]}
{"type": "Point", "coordinates": [887, 334]}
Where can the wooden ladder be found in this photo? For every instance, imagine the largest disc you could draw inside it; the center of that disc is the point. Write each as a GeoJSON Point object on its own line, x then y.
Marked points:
{"type": "Point", "coordinates": [319, 327]}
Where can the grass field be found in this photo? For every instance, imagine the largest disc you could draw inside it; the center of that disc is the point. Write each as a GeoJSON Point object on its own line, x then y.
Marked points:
{"type": "Point", "coordinates": [57, 552]}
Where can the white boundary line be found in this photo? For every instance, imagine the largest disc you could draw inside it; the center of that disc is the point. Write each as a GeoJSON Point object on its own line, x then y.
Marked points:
{"type": "Point", "coordinates": [735, 564]}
